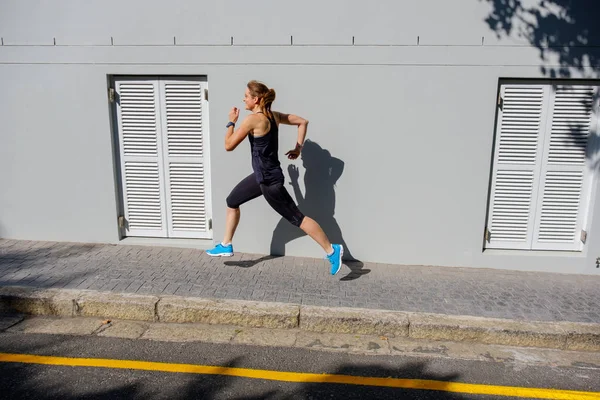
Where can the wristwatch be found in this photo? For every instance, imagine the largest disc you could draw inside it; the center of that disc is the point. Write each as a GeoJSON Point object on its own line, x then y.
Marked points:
{"type": "Point", "coordinates": [230, 124]}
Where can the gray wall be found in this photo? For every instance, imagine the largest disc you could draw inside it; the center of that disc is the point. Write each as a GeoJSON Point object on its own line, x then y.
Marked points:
{"type": "Point", "coordinates": [409, 109]}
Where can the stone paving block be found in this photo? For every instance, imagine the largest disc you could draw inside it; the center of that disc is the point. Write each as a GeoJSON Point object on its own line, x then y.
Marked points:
{"type": "Point", "coordinates": [487, 330]}
{"type": "Point", "coordinates": [134, 286]}
{"type": "Point", "coordinates": [351, 320]}
{"type": "Point", "coordinates": [582, 336]}
{"type": "Point", "coordinates": [228, 312]}
{"type": "Point", "coordinates": [176, 309]}
{"type": "Point", "coordinates": [34, 301]}
{"type": "Point", "coordinates": [116, 305]}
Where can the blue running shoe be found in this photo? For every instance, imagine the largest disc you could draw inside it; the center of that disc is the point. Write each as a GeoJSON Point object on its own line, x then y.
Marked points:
{"type": "Point", "coordinates": [335, 258]}
{"type": "Point", "coordinates": [221, 251]}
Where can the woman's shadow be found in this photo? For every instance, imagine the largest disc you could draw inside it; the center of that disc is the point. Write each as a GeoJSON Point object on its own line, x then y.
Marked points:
{"type": "Point", "coordinates": [322, 173]}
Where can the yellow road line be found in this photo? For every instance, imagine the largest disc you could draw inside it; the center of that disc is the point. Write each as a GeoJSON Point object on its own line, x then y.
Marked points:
{"type": "Point", "coordinates": [455, 387]}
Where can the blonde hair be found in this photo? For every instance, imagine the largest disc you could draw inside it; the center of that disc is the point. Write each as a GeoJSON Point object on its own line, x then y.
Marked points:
{"type": "Point", "coordinates": [266, 96]}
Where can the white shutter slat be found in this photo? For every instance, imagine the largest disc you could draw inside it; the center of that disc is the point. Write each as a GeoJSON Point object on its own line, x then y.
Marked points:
{"type": "Point", "coordinates": [141, 161]}
{"type": "Point", "coordinates": [515, 176]}
{"type": "Point", "coordinates": [187, 196]}
{"type": "Point", "coordinates": [560, 206]}
{"type": "Point", "coordinates": [510, 211]}
{"type": "Point", "coordinates": [565, 181]}
{"type": "Point", "coordinates": [520, 125]}
{"type": "Point", "coordinates": [183, 134]}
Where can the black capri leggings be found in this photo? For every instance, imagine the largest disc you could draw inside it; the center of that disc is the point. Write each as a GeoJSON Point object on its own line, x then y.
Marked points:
{"type": "Point", "coordinates": [275, 194]}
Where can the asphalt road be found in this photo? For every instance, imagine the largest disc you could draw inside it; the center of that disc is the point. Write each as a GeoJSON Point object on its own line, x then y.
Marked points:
{"type": "Point", "coordinates": [35, 381]}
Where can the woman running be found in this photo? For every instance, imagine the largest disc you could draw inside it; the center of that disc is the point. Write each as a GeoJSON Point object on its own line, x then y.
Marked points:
{"type": "Point", "coordinates": [262, 129]}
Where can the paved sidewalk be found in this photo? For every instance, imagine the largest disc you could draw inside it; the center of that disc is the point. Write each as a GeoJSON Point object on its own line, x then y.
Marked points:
{"type": "Point", "coordinates": [188, 272]}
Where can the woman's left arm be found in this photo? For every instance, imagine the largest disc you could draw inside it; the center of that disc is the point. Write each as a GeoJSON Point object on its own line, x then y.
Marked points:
{"type": "Point", "coordinates": [302, 124]}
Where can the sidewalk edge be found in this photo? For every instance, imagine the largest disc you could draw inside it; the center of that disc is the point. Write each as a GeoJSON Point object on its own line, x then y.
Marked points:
{"type": "Point", "coordinates": [576, 336]}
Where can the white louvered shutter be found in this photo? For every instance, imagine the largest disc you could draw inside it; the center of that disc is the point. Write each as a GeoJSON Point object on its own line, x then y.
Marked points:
{"type": "Point", "coordinates": [517, 163]}
{"type": "Point", "coordinates": [565, 180]}
{"type": "Point", "coordinates": [141, 157]}
{"type": "Point", "coordinates": [183, 109]}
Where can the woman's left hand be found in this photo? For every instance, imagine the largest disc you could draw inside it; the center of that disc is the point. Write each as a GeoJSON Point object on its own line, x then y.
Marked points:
{"type": "Point", "coordinates": [293, 154]}
{"type": "Point", "coordinates": [234, 114]}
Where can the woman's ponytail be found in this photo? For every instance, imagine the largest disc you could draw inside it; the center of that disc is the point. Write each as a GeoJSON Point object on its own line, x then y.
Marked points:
{"type": "Point", "coordinates": [266, 96]}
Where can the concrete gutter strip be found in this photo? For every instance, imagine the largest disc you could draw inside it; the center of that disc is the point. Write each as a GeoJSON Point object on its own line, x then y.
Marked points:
{"type": "Point", "coordinates": [177, 309]}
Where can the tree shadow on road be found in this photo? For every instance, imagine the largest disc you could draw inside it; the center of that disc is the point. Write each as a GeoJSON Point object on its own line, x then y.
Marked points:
{"type": "Point", "coordinates": [386, 375]}
{"type": "Point", "coordinates": [221, 387]}
{"type": "Point", "coordinates": [20, 381]}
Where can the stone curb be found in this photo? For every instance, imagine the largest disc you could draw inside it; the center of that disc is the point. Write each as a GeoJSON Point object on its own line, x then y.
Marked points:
{"type": "Point", "coordinates": [354, 320]}
{"type": "Point", "coordinates": [227, 312]}
{"type": "Point", "coordinates": [176, 309]}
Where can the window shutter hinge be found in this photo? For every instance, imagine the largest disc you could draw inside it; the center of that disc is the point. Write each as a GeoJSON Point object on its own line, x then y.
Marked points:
{"type": "Point", "coordinates": [487, 235]}
{"type": "Point", "coordinates": [206, 94]}
{"type": "Point", "coordinates": [500, 101]}
{"type": "Point", "coordinates": [210, 223]}
{"type": "Point", "coordinates": [121, 220]}
{"type": "Point", "coordinates": [583, 236]}
{"type": "Point", "coordinates": [111, 95]}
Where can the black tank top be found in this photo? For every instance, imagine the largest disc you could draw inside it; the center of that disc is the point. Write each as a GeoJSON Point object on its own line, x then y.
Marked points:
{"type": "Point", "coordinates": [265, 161]}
